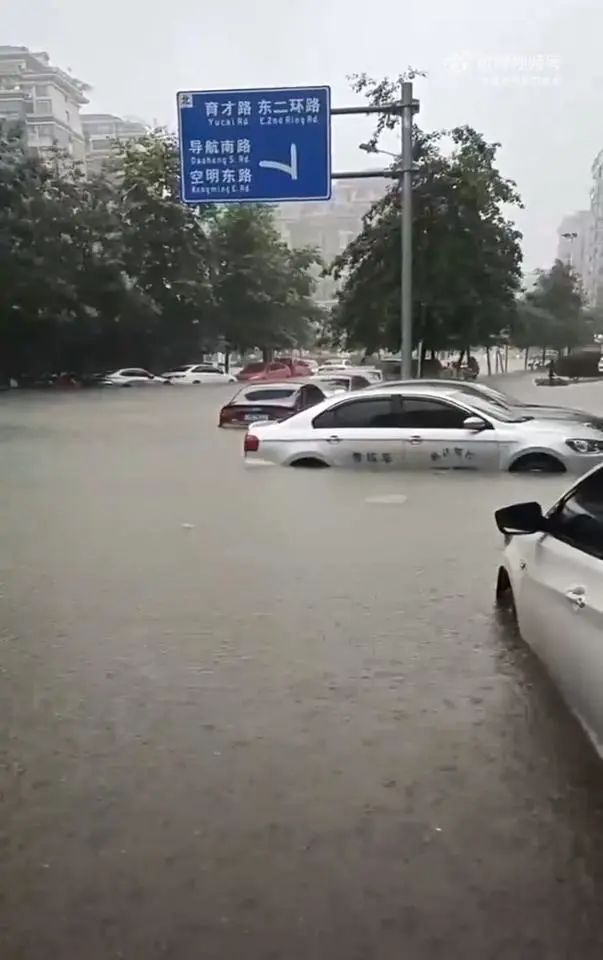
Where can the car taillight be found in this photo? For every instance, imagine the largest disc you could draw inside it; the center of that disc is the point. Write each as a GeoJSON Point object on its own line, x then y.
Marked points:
{"type": "Point", "coordinates": [227, 415]}
{"type": "Point", "coordinates": [251, 443]}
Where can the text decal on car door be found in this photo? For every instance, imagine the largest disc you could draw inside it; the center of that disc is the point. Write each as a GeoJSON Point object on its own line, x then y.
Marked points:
{"type": "Point", "coordinates": [372, 457]}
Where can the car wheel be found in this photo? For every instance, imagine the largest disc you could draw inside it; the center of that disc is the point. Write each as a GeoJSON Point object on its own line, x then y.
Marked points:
{"type": "Point", "coordinates": [537, 463]}
{"type": "Point", "coordinates": [196, 382]}
{"type": "Point", "coordinates": [505, 600]}
{"type": "Point", "coordinates": [310, 462]}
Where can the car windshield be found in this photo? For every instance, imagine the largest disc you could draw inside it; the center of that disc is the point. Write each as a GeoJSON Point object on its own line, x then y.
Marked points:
{"type": "Point", "coordinates": [181, 369]}
{"type": "Point", "coordinates": [497, 411]}
{"type": "Point", "coordinates": [494, 396]}
{"type": "Point", "coordinates": [335, 381]}
{"type": "Point", "coordinates": [262, 394]}
{"type": "Point", "coordinates": [254, 367]}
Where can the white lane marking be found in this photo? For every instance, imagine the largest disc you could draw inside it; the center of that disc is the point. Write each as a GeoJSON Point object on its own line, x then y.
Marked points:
{"type": "Point", "coordinates": [388, 498]}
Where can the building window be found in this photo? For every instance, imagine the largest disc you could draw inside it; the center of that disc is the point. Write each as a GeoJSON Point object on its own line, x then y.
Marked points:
{"type": "Point", "coordinates": [11, 106]}
{"type": "Point", "coordinates": [43, 107]}
{"type": "Point", "coordinates": [41, 89]}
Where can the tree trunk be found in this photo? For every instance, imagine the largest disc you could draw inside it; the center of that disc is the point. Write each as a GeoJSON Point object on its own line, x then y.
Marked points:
{"type": "Point", "coordinates": [488, 361]}
{"type": "Point", "coordinates": [543, 355]}
{"type": "Point", "coordinates": [525, 358]}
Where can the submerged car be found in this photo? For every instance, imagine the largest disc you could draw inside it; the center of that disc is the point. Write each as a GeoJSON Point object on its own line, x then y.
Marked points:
{"type": "Point", "coordinates": [269, 402]}
{"type": "Point", "coordinates": [499, 397]}
{"type": "Point", "coordinates": [334, 382]}
{"type": "Point", "coordinates": [428, 429]}
{"type": "Point", "coordinates": [279, 369]}
{"type": "Point", "coordinates": [133, 377]}
{"type": "Point", "coordinates": [551, 580]}
{"type": "Point", "coordinates": [196, 373]}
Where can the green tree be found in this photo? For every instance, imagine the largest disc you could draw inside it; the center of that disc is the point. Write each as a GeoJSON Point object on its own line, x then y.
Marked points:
{"type": "Point", "coordinates": [558, 294]}
{"type": "Point", "coordinates": [114, 270]}
{"type": "Point", "coordinates": [263, 289]}
{"type": "Point", "coordinates": [61, 273]}
{"type": "Point", "coordinates": [167, 248]}
{"type": "Point", "coordinates": [466, 254]}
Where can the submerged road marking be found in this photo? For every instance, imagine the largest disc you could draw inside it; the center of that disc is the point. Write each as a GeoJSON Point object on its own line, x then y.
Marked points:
{"type": "Point", "coordinates": [388, 498]}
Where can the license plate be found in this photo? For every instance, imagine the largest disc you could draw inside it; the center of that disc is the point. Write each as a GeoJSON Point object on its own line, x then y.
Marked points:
{"type": "Point", "coordinates": [250, 417]}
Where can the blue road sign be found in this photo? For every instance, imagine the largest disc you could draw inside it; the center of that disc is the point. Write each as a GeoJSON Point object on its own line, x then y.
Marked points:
{"type": "Point", "coordinates": [250, 146]}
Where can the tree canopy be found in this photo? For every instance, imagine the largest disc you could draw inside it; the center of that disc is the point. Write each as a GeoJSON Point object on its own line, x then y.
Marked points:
{"type": "Point", "coordinates": [466, 253]}
{"type": "Point", "coordinates": [115, 270]}
{"type": "Point", "coordinates": [552, 314]}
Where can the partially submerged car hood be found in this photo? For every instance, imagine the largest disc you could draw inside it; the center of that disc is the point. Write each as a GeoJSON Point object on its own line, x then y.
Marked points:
{"type": "Point", "coordinates": [544, 412]}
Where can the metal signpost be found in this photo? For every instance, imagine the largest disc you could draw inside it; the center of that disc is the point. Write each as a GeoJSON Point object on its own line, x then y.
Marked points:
{"type": "Point", "coordinates": [274, 145]}
{"type": "Point", "coordinates": [255, 145]}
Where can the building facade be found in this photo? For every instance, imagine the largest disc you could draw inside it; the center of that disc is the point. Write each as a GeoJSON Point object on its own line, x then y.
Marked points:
{"type": "Point", "coordinates": [44, 98]}
{"type": "Point", "coordinates": [573, 243]}
{"type": "Point", "coordinates": [329, 225]}
{"type": "Point", "coordinates": [101, 133]}
{"type": "Point", "coordinates": [594, 278]}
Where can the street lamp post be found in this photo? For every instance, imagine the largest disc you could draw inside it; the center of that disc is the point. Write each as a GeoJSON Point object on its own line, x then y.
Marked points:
{"type": "Point", "coordinates": [570, 236]}
{"type": "Point", "coordinates": [407, 107]}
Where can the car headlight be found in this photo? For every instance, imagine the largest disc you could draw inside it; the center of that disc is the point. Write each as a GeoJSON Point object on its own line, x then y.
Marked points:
{"type": "Point", "coordinates": [585, 446]}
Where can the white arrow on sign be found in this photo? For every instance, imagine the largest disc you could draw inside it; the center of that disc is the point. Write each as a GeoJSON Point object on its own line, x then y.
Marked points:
{"type": "Point", "coordinates": [290, 168]}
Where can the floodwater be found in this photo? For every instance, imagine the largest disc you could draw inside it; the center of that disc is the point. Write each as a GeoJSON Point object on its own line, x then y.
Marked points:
{"type": "Point", "coordinates": [265, 714]}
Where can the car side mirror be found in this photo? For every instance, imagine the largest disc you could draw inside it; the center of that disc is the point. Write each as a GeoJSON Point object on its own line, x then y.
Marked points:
{"type": "Point", "coordinates": [475, 423]}
{"type": "Point", "coordinates": [521, 518]}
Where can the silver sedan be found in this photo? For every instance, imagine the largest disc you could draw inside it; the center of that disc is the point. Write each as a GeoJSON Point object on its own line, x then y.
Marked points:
{"type": "Point", "coordinates": [540, 411]}
{"type": "Point", "coordinates": [423, 428]}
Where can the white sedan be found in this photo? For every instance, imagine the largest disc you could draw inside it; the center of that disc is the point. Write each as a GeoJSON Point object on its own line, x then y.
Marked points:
{"type": "Point", "coordinates": [551, 580]}
{"type": "Point", "coordinates": [194, 373]}
{"type": "Point", "coordinates": [425, 429]}
{"type": "Point", "coordinates": [133, 377]}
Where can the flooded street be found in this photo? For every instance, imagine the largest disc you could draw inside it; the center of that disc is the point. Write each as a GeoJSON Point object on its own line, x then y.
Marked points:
{"type": "Point", "coordinates": [266, 714]}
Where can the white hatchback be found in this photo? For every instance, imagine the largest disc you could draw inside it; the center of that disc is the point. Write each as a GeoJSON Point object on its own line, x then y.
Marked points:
{"type": "Point", "coordinates": [551, 579]}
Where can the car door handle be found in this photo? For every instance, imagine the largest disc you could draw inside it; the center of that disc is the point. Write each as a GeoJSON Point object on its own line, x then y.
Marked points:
{"type": "Point", "coordinates": [415, 440]}
{"type": "Point", "coordinates": [576, 597]}
{"type": "Point", "coordinates": [334, 439]}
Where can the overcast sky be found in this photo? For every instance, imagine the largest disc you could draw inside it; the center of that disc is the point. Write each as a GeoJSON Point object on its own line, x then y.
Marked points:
{"type": "Point", "coordinates": [527, 73]}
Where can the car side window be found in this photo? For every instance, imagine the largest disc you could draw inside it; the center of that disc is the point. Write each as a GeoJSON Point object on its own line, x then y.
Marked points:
{"type": "Point", "coordinates": [426, 414]}
{"type": "Point", "coordinates": [310, 396]}
{"type": "Point", "coordinates": [373, 413]}
{"type": "Point", "coordinates": [578, 519]}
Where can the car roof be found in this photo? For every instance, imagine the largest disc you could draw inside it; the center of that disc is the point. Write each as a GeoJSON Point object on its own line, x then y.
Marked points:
{"type": "Point", "coordinates": [411, 387]}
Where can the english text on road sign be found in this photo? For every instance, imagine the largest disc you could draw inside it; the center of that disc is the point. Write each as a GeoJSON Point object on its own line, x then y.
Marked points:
{"type": "Point", "coordinates": [254, 146]}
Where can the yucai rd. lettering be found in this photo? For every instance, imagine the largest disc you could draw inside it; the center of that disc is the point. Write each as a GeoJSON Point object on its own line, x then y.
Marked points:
{"type": "Point", "coordinates": [240, 113]}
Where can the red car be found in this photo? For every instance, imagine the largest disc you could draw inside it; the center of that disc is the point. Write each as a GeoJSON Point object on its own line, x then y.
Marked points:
{"type": "Point", "coordinates": [279, 369]}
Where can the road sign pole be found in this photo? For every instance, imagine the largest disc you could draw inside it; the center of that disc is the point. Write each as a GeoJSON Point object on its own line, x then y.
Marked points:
{"type": "Point", "coordinates": [406, 234]}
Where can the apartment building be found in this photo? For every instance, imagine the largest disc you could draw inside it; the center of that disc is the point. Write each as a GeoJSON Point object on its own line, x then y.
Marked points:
{"type": "Point", "coordinates": [44, 98]}
{"type": "Point", "coordinates": [594, 271]}
{"type": "Point", "coordinates": [102, 131]}
{"type": "Point", "coordinates": [329, 225]}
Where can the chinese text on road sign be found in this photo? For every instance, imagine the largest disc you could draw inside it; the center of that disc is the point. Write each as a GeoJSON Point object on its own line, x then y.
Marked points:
{"type": "Point", "coordinates": [255, 145]}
